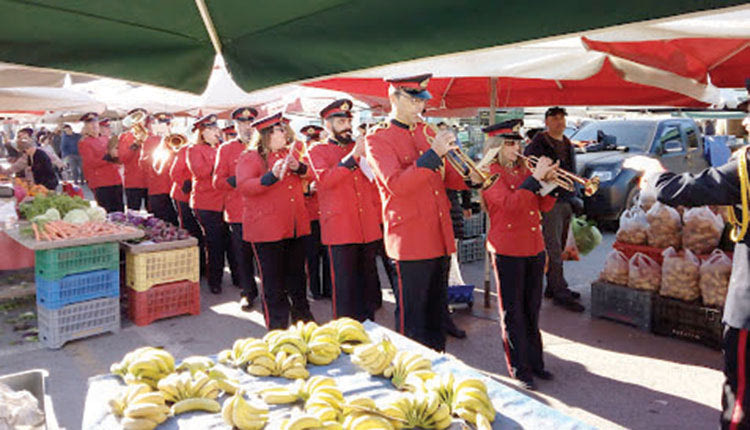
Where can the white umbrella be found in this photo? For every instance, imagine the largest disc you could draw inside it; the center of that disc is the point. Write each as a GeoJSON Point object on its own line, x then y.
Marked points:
{"type": "Point", "coordinates": [47, 99]}
{"type": "Point", "coordinates": [16, 75]}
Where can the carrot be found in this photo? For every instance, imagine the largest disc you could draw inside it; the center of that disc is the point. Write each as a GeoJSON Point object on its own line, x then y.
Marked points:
{"type": "Point", "coordinates": [36, 230]}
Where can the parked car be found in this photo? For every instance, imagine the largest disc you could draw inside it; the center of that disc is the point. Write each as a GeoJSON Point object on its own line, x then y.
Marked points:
{"type": "Point", "coordinates": [619, 152]}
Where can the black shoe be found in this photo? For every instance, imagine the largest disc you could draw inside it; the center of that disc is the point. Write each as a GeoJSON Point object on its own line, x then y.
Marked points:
{"type": "Point", "coordinates": [569, 303]}
{"type": "Point", "coordinates": [527, 383]}
{"type": "Point", "coordinates": [548, 293]}
{"type": "Point", "coordinates": [216, 289]}
{"type": "Point", "coordinates": [451, 329]}
{"type": "Point", "coordinates": [544, 375]}
{"type": "Point", "coordinates": [246, 303]}
{"type": "Point", "coordinates": [574, 294]}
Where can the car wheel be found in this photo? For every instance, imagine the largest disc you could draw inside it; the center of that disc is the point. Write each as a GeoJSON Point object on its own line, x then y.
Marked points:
{"type": "Point", "coordinates": [633, 196]}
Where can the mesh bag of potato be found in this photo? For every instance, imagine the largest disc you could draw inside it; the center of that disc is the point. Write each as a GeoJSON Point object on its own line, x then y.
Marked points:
{"type": "Point", "coordinates": [647, 198]}
{"type": "Point", "coordinates": [680, 274]}
{"type": "Point", "coordinates": [633, 227]}
{"type": "Point", "coordinates": [643, 273]}
{"type": "Point", "coordinates": [664, 226]}
{"type": "Point", "coordinates": [702, 230]}
{"type": "Point", "coordinates": [714, 282]}
{"type": "Point", "coordinates": [615, 268]}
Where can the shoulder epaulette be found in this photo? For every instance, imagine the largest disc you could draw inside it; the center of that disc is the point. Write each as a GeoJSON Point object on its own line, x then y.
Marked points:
{"type": "Point", "coordinates": [381, 125]}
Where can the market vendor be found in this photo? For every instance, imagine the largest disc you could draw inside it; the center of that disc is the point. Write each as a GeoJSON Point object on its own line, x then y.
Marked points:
{"type": "Point", "coordinates": [100, 165]}
{"type": "Point", "coordinates": [41, 165]}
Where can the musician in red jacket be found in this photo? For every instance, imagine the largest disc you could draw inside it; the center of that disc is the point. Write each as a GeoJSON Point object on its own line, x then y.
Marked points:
{"type": "Point", "coordinates": [129, 153]}
{"type": "Point", "coordinates": [349, 219]}
{"type": "Point", "coordinates": [100, 165]}
{"type": "Point", "coordinates": [154, 153]}
{"type": "Point", "coordinates": [206, 201]}
{"type": "Point", "coordinates": [406, 156]}
{"type": "Point", "coordinates": [315, 254]}
{"type": "Point", "coordinates": [275, 219]}
{"type": "Point", "coordinates": [516, 245]}
{"type": "Point", "coordinates": [225, 179]}
{"type": "Point", "coordinates": [182, 183]}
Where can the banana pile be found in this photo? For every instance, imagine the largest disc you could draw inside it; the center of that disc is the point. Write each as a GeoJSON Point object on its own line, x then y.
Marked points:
{"type": "Point", "coordinates": [243, 352]}
{"type": "Point", "coordinates": [424, 410]}
{"type": "Point", "coordinates": [350, 333]}
{"type": "Point", "coordinates": [374, 357]}
{"type": "Point", "coordinates": [362, 413]}
{"type": "Point", "coordinates": [203, 364]}
{"type": "Point", "coordinates": [243, 414]}
{"type": "Point", "coordinates": [303, 421]}
{"type": "Point", "coordinates": [322, 398]}
{"type": "Point", "coordinates": [467, 398]}
{"type": "Point", "coordinates": [144, 365]}
{"type": "Point", "coordinates": [288, 341]}
{"type": "Point", "coordinates": [322, 342]}
{"type": "Point", "coordinates": [139, 407]}
{"type": "Point", "coordinates": [190, 393]}
{"type": "Point", "coordinates": [408, 364]}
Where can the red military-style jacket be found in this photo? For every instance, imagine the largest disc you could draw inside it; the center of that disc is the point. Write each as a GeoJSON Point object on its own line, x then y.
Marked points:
{"type": "Point", "coordinates": [515, 212]}
{"type": "Point", "coordinates": [312, 205]}
{"type": "Point", "coordinates": [226, 165]}
{"type": "Point", "coordinates": [412, 180]}
{"type": "Point", "coordinates": [134, 175]}
{"type": "Point", "coordinates": [347, 210]}
{"type": "Point", "coordinates": [98, 171]}
{"type": "Point", "coordinates": [201, 160]}
{"type": "Point", "coordinates": [155, 182]}
{"type": "Point", "coordinates": [179, 173]}
{"type": "Point", "coordinates": [274, 209]}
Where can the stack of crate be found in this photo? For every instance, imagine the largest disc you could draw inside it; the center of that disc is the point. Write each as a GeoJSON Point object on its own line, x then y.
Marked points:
{"type": "Point", "coordinates": [162, 284]}
{"type": "Point", "coordinates": [472, 246]}
{"type": "Point", "coordinates": [77, 292]}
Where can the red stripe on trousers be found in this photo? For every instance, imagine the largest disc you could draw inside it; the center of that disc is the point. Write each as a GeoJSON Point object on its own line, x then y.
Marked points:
{"type": "Point", "coordinates": [400, 298]}
{"type": "Point", "coordinates": [738, 413]}
{"type": "Point", "coordinates": [506, 344]}
{"type": "Point", "coordinates": [333, 282]}
{"type": "Point", "coordinates": [262, 284]}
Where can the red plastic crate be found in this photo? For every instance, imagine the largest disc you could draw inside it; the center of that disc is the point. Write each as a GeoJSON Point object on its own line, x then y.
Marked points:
{"type": "Point", "coordinates": [163, 301]}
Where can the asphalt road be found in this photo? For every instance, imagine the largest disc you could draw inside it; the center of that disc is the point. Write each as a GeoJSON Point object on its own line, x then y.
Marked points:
{"type": "Point", "coordinates": [607, 374]}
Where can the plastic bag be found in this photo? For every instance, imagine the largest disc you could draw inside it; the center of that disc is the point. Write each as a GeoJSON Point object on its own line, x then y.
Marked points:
{"type": "Point", "coordinates": [643, 273]}
{"type": "Point", "coordinates": [714, 278]}
{"type": "Point", "coordinates": [680, 273]}
{"type": "Point", "coordinates": [570, 253]}
{"type": "Point", "coordinates": [586, 234]}
{"type": "Point", "coordinates": [702, 230]}
{"type": "Point", "coordinates": [633, 227]}
{"type": "Point", "coordinates": [664, 226]}
{"type": "Point", "coordinates": [647, 198]}
{"type": "Point", "coordinates": [615, 268]}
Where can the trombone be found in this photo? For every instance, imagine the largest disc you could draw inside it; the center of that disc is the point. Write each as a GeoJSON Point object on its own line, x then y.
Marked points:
{"type": "Point", "coordinates": [464, 165]}
{"type": "Point", "coordinates": [565, 179]}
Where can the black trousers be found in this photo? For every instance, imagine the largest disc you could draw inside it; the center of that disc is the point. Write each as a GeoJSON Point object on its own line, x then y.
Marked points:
{"type": "Point", "coordinates": [420, 300]}
{"type": "Point", "coordinates": [315, 255]}
{"type": "Point", "coordinates": [555, 225]}
{"type": "Point", "coordinates": [189, 223]}
{"type": "Point", "coordinates": [390, 271]}
{"type": "Point", "coordinates": [216, 236]}
{"type": "Point", "coordinates": [519, 283]}
{"type": "Point", "coordinates": [136, 198]}
{"type": "Point", "coordinates": [244, 261]}
{"type": "Point", "coordinates": [282, 276]}
{"type": "Point", "coordinates": [110, 198]}
{"type": "Point", "coordinates": [734, 398]}
{"type": "Point", "coordinates": [354, 277]}
{"type": "Point", "coordinates": [162, 206]}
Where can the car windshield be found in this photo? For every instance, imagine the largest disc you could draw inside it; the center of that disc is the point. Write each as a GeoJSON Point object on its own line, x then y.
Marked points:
{"type": "Point", "coordinates": [636, 135]}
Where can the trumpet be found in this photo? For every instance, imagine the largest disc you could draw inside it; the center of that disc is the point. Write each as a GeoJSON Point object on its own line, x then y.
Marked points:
{"type": "Point", "coordinates": [175, 141]}
{"type": "Point", "coordinates": [136, 121]}
{"type": "Point", "coordinates": [565, 179]}
{"type": "Point", "coordinates": [294, 153]}
{"type": "Point", "coordinates": [463, 164]}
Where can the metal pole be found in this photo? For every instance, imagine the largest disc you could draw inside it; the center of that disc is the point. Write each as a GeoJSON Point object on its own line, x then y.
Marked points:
{"type": "Point", "coordinates": [487, 256]}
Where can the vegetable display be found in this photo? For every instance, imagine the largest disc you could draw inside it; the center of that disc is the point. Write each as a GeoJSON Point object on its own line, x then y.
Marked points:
{"type": "Point", "coordinates": [156, 230]}
{"type": "Point", "coordinates": [41, 204]}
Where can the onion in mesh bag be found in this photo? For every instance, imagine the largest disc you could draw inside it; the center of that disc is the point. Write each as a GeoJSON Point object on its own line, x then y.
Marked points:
{"type": "Point", "coordinates": [664, 226]}
{"type": "Point", "coordinates": [714, 278]}
{"type": "Point", "coordinates": [615, 268]}
{"type": "Point", "coordinates": [679, 275]}
{"type": "Point", "coordinates": [643, 273]}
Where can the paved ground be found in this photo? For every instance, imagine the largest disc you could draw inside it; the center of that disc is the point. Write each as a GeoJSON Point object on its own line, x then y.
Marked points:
{"type": "Point", "coordinates": [608, 375]}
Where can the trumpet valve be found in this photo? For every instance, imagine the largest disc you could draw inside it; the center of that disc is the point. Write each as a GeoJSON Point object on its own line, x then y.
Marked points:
{"type": "Point", "coordinates": [591, 186]}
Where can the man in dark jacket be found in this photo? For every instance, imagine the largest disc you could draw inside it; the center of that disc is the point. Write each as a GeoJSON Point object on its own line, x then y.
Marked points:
{"type": "Point", "coordinates": [69, 152]}
{"type": "Point", "coordinates": [41, 165]}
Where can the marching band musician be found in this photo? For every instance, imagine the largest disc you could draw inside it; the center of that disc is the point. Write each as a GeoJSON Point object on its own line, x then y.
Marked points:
{"type": "Point", "coordinates": [206, 201]}
{"type": "Point", "coordinates": [349, 218]}
{"type": "Point", "coordinates": [129, 151]}
{"type": "Point", "coordinates": [406, 157]}
{"type": "Point", "coordinates": [159, 185]}
{"type": "Point", "coordinates": [275, 220]}
{"type": "Point", "coordinates": [100, 165]}
{"type": "Point", "coordinates": [225, 179]}
{"type": "Point", "coordinates": [516, 245]}
{"type": "Point", "coordinates": [315, 253]}
{"type": "Point", "coordinates": [229, 133]}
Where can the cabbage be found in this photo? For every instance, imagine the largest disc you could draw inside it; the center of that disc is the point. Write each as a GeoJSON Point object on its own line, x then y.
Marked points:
{"type": "Point", "coordinates": [52, 214]}
{"type": "Point", "coordinates": [76, 216]}
{"type": "Point", "coordinates": [96, 214]}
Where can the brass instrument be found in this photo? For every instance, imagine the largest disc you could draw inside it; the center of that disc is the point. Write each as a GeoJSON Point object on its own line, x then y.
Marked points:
{"type": "Point", "coordinates": [463, 164]}
{"type": "Point", "coordinates": [565, 179]}
{"type": "Point", "coordinates": [294, 152]}
{"type": "Point", "coordinates": [175, 141]}
{"type": "Point", "coordinates": [136, 122]}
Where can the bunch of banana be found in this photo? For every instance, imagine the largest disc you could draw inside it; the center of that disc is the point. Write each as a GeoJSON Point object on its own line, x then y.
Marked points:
{"type": "Point", "coordinates": [195, 363]}
{"type": "Point", "coordinates": [288, 341]}
{"type": "Point", "coordinates": [350, 333]}
{"type": "Point", "coordinates": [243, 352]}
{"type": "Point", "coordinates": [407, 363]}
{"type": "Point", "coordinates": [443, 385]}
{"type": "Point", "coordinates": [303, 421]}
{"type": "Point", "coordinates": [140, 407]}
{"type": "Point", "coordinates": [322, 398]}
{"type": "Point", "coordinates": [424, 410]}
{"type": "Point", "coordinates": [144, 365]}
{"type": "Point", "coordinates": [190, 393]}
{"type": "Point", "coordinates": [291, 366]}
{"type": "Point", "coordinates": [303, 330]}
{"type": "Point", "coordinates": [323, 345]}
{"type": "Point", "coordinates": [374, 357]}
{"type": "Point", "coordinates": [365, 421]}
{"type": "Point", "coordinates": [470, 400]}
{"type": "Point", "coordinates": [243, 414]}
{"type": "Point", "coordinates": [225, 383]}
{"type": "Point", "coordinates": [362, 413]}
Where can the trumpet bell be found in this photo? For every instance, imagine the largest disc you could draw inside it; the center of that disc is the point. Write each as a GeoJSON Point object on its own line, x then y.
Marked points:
{"type": "Point", "coordinates": [175, 141]}
{"type": "Point", "coordinates": [591, 186]}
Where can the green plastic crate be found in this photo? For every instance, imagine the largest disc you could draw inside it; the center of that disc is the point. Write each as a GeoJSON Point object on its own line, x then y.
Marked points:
{"type": "Point", "coordinates": [54, 264]}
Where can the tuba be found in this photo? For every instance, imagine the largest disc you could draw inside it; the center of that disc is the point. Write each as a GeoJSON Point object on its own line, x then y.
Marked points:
{"type": "Point", "coordinates": [136, 122]}
{"type": "Point", "coordinates": [463, 164]}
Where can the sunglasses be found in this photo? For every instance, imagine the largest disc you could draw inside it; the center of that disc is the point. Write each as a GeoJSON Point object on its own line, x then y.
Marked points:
{"type": "Point", "coordinates": [511, 143]}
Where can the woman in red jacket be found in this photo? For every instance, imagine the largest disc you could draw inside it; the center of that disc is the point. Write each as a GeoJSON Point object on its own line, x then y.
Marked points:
{"type": "Point", "coordinates": [275, 219]}
{"type": "Point", "coordinates": [100, 165]}
{"type": "Point", "coordinates": [517, 247]}
{"type": "Point", "coordinates": [206, 201]}
{"type": "Point", "coordinates": [182, 183]}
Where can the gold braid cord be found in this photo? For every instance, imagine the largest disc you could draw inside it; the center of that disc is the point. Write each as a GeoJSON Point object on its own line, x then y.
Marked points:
{"type": "Point", "coordinates": [740, 228]}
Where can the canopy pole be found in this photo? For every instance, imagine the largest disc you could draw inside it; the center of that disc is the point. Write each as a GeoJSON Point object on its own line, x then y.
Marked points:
{"type": "Point", "coordinates": [201, 4]}
{"type": "Point", "coordinates": [487, 255]}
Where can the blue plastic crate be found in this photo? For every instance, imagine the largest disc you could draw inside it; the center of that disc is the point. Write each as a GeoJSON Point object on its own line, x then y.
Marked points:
{"type": "Point", "coordinates": [77, 288]}
{"type": "Point", "coordinates": [461, 294]}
